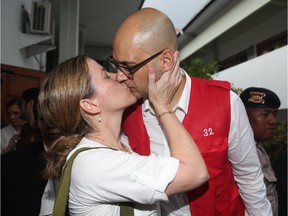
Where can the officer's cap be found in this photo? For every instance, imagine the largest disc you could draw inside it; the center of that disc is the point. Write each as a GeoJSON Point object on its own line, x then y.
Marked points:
{"type": "Point", "coordinates": [255, 97]}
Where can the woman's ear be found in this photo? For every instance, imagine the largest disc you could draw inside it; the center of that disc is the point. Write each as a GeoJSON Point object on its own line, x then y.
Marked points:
{"type": "Point", "coordinates": [168, 60]}
{"type": "Point", "coordinates": [89, 106]}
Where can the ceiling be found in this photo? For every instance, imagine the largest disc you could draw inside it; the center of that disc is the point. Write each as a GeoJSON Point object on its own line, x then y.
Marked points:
{"type": "Point", "coordinates": [98, 20]}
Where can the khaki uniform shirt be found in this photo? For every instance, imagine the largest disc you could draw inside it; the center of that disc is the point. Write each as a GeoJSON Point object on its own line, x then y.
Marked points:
{"type": "Point", "coordinates": [269, 178]}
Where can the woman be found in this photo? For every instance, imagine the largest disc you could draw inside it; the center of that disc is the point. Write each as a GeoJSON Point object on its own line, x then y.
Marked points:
{"type": "Point", "coordinates": [80, 98]}
{"type": "Point", "coordinates": [9, 134]}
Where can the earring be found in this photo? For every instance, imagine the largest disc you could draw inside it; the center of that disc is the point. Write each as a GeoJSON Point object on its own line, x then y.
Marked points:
{"type": "Point", "coordinates": [99, 118]}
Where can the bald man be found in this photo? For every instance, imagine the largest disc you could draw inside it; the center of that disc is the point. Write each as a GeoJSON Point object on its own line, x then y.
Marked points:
{"type": "Point", "coordinates": [214, 115]}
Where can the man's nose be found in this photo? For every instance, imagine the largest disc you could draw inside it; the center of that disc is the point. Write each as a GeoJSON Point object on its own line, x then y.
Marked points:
{"type": "Point", "coordinates": [120, 77]}
{"type": "Point", "coordinates": [113, 75]}
{"type": "Point", "coordinates": [273, 119]}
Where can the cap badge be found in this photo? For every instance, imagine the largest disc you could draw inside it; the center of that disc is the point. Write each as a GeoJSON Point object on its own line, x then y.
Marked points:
{"type": "Point", "coordinates": [257, 97]}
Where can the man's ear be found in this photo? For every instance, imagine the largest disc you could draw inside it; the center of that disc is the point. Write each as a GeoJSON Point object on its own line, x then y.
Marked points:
{"type": "Point", "coordinates": [89, 106]}
{"type": "Point", "coordinates": [168, 60]}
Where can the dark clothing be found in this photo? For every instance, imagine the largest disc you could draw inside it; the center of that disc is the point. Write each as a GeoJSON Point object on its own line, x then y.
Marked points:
{"type": "Point", "coordinates": [30, 135]}
{"type": "Point", "coordinates": [22, 186]}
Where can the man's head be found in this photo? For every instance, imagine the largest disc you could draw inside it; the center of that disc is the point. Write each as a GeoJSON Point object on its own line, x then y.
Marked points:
{"type": "Point", "coordinates": [149, 35]}
{"type": "Point", "coordinates": [262, 106]}
{"type": "Point", "coordinates": [30, 100]}
{"type": "Point", "coordinates": [14, 110]}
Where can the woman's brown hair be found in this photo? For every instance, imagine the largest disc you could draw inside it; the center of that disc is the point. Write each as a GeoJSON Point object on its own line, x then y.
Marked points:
{"type": "Point", "coordinates": [59, 104]}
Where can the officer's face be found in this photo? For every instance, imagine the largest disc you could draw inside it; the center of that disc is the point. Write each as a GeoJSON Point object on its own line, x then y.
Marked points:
{"type": "Point", "coordinates": [263, 122]}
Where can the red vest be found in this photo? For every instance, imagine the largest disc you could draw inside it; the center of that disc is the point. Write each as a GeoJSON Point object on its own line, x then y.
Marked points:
{"type": "Point", "coordinates": [208, 121]}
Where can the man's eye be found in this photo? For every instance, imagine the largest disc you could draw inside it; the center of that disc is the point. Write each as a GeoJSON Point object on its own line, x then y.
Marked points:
{"type": "Point", "coordinates": [265, 114]}
{"type": "Point", "coordinates": [125, 66]}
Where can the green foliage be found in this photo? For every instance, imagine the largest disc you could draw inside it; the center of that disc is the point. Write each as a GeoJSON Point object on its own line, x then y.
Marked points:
{"type": "Point", "coordinates": [277, 145]}
{"type": "Point", "coordinates": [195, 67]}
{"type": "Point", "coordinates": [238, 91]}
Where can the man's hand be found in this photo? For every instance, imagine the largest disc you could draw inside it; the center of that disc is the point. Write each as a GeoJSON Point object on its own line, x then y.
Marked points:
{"type": "Point", "coordinates": [12, 144]}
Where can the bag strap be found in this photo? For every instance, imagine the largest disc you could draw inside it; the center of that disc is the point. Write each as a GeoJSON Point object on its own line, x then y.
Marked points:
{"type": "Point", "coordinates": [61, 202]}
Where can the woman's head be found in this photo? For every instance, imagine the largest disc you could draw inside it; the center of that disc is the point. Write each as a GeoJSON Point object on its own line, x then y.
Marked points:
{"type": "Point", "coordinates": [58, 104]}
{"type": "Point", "coordinates": [78, 90]}
{"type": "Point", "coordinates": [61, 92]}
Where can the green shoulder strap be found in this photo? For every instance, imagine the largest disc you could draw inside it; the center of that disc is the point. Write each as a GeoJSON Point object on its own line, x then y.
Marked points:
{"type": "Point", "coordinates": [61, 202]}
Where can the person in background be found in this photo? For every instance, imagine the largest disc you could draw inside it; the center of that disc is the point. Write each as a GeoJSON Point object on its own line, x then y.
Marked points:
{"type": "Point", "coordinates": [280, 168]}
{"type": "Point", "coordinates": [30, 133]}
{"type": "Point", "coordinates": [23, 189]}
{"type": "Point", "coordinates": [81, 99]}
{"type": "Point", "coordinates": [214, 116]}
{"type": "Point", "coordinates": [10, 133]}
{"type": "Point", "coordinates": [30, 100]}
{"type": "Point", "coordinates": [262, 107]}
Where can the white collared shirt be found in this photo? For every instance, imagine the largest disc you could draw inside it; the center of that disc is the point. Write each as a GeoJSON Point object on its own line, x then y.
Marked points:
{"type": "Point", "coordinates": [6, 134]}
{"type": "Point", "coordinates": [159, 145]}
{"type": "Point", "coordinates": [48, 197]}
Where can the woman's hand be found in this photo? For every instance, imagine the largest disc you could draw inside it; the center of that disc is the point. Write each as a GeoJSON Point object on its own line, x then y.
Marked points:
{"type": "Point", "coordinates": [162, 91]}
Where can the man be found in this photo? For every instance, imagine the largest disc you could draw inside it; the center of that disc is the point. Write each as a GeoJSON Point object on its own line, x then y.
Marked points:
{"type": "Point", "coordinates": [30, 133]}
{"type": "Point", "coordinates": [214, 116]}
{"type": "Point", "coordinates": [9, 133]}
{"type": "Point", "coordinates": [262, 106]}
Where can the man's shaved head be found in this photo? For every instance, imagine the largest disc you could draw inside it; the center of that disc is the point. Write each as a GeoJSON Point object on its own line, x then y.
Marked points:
{"type": "Point", "coordinates": [147, 29]}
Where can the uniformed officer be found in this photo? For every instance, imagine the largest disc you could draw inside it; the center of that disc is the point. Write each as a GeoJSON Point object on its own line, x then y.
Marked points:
{"type": "Point", "coordinates": [262, 106]}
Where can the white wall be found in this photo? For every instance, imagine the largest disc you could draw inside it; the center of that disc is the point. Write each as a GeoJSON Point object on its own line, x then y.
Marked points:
{"type": "Point", "coordinates": [256, 28]}
{"type": "Point", "coordinates": [252, 31]}
{"type": "Point", "coordinates": [267, 71]}
{"type": "Point", "coordinates": [220, 25]}
{"type": "Point", "coordinates": [10, 36]}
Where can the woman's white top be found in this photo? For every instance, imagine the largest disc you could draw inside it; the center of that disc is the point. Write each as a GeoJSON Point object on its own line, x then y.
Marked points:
{"type": "Point", "coordinates": [101, 178]}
